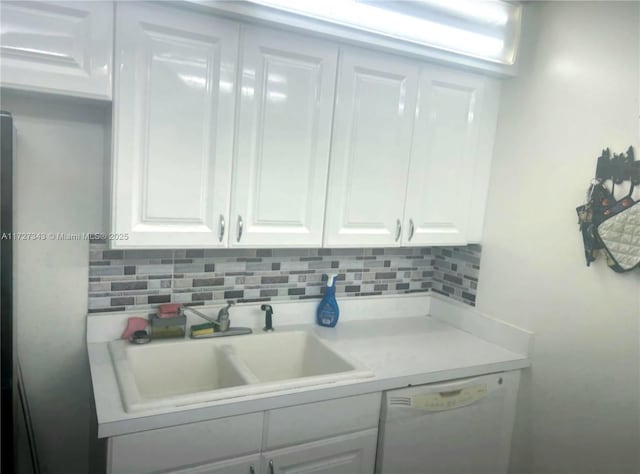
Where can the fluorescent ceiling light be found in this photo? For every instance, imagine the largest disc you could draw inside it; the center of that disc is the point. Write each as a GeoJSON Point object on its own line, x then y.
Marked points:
{"type": "Point", "coordinates": [478, 28]}
{"type": "Point", "coordinates": [485, 11]}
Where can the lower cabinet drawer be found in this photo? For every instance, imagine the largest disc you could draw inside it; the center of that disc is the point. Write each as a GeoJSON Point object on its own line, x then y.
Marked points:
{"type": "Point", "coordinates": [314, 421]}
{"type": "Point", "coordinates": [186, 445]}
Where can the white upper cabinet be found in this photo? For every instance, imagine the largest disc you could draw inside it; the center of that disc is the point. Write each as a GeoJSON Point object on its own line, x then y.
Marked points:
{"type": "Point", "coordinates": [174, 108]}
{"type": "Point", "coordinates": [283, 139]}
{"type": "Point", "coordinates": [375, 105]}
{"type": "Point", "coordinates": [57, 47]}
{"type": "Point", "coordinates": [450, 157]}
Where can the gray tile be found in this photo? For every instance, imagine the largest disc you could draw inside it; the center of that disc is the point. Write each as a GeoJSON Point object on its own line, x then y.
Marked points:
{"type": "Point", "coordinates": [103, 271]}
{"type": "Point", "coordinates": [146, 254]}
{"type": "Point", "coordinates": [208, 282]}
{"type": "Point", "coordinates": [128, 285]}
{"type": "Point", "coordinates": [231, 267]}
{"type": "Point", "coordinates": [292, 252]}
{"type": "Point", "coordinates": [274, 279]}
{"type": "Point", "coordinates": [99, 302]}
{"type": "Point", "coordinates": [323, 265]}
{"type": "Point", "coordinates": [154, 269]}
{"type": "Point", "coordinates": [189, 268]}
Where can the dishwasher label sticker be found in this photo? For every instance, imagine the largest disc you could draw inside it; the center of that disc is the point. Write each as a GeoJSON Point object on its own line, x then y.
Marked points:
{"type": "Point", "coordinates": [449, 400]}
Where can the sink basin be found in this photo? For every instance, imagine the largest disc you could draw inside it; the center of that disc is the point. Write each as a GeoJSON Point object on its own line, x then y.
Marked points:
{"type": "Point", "coordinates": [176, 373]}
{"type": "Point", "coordinates": [295, 358]}
{"type": "Point", "coordinates": [165, 373]}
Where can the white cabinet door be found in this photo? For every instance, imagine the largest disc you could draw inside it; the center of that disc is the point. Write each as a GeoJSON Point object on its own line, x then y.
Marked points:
{"type": "Point", "coordinates": [204, 443]}
{"type": "Point", "coordinates": [57, 47]}
{"type": "Point", "coordinates": [348, 454]}
{"type": "Point", "coordinates": [173, 125]}
{"type": "Point", "coordinates": [375, 105]}
{"type": "Point", "coordinates": [450, 158]}
{"type": "Point", "coordinates": [284, 134]}
{"type": "Point", "coordinates": [243, 465]}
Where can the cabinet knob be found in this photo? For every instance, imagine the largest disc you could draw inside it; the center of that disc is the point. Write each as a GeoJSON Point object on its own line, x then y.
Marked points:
{"type": "Point", "coordinates": [411, 229]}
{"type": "Point", "coordinates": [240, 224]}
{"type": "Point", "coordinates": [221, 234]}
{"type": "Point", "coordinates": [398, 229]}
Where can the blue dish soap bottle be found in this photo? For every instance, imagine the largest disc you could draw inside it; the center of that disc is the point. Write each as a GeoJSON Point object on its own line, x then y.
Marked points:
{"type": "Point", "coordinates": [328, 311]}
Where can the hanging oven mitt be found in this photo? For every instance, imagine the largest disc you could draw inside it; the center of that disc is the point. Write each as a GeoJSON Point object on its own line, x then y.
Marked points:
{"type": "Point", "coordinates": [619, 233]}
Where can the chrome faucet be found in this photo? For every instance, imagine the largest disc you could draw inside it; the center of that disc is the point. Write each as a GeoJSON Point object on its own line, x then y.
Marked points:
{"type": "Point", "coordinates": [222, 323]}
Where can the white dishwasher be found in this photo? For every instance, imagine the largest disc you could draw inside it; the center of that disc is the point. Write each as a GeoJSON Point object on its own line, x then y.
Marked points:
{"type": "Point", "coordinates": [458, 427]}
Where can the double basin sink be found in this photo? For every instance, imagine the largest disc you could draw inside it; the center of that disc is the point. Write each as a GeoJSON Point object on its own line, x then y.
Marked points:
{"type": "Point", "coordinates": [183, 372]}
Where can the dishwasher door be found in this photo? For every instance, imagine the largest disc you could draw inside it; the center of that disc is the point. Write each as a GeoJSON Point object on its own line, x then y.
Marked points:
{"type": "Point", "coordinates": [458, 427]}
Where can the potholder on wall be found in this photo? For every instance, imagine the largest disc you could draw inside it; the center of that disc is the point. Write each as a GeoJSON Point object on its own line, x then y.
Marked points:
{"type": "Point", "coordinates": [619, 234]}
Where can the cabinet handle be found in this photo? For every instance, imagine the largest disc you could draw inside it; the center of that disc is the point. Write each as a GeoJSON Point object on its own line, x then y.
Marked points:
{"type": "Point", "coordinates": [251, 469]}
{"type": "Point", "coordinates": [239, 228]}
{"type": "Point", "coordinates": [411, 229]}
{"type": "Point", "coordinates": [271, 471]}
{"type": "Point", "coordinates": [221, 235]}
{"type": "Point", "coordinates": [398, 229]}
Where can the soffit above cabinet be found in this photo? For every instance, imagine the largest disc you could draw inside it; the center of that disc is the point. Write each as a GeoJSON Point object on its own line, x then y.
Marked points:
{"type": "Point", "coordinates": [461, 33]}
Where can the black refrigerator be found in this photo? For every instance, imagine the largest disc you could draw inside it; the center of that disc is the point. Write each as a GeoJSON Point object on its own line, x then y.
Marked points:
{"type": "Point", "coordinates": [7, 329]}
{"type": "Point", "coordinates": [8, 389]}
{"type": "Point", "coordinates": [18, 453]}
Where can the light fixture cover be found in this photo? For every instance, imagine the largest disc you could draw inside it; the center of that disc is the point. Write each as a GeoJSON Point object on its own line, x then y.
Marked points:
{"type": "Point", "coordinates": [484, 29]}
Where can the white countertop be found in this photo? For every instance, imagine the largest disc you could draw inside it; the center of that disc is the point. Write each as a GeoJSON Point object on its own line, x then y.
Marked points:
{"type": "Point", "coordinates": [443, 343]}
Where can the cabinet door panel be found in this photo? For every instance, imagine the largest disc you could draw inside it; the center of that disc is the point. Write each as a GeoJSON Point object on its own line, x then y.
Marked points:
{"type": "Point", "coordinates": [444, 157]}
{"type": "Point", "coordinates": [58, 47]}
{"type": "Point", "coordinates": [286, 106]}
{"type": "Point", "coordinates": [348, 454]}
{"type": "Point", "coordinates": [371, 148]}
{"type": "Point", "coordinates": [173, 126]}
{"type": "Point", "coordinates": [243, 465]}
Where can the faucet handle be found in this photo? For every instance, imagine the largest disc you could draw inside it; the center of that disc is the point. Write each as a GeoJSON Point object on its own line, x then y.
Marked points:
{"type": "Point", "coordinates": [224, 312]}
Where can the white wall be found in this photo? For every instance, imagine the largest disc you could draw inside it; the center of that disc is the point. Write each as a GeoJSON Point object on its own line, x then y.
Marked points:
{"type": "Point", "coordinates": [576, 93]}
{"type": "Point", "coordinates": [58, 188]}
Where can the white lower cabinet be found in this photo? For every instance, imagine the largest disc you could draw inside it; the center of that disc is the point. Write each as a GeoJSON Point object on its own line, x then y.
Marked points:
{"type": "Point", "coordinates": [187, 446]}
{"type": "Point", "coordinates": [242, 465]}
{"type": "Point", "coordinates": [353, 453]}
{"type": "Point", "coordinates": [336, 436]}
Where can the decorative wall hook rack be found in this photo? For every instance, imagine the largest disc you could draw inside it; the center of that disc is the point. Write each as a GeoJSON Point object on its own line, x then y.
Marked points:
{"type": "Point", "coordinates": [609, 224]}
{"type": "Point", "coordinates": [619, 167]}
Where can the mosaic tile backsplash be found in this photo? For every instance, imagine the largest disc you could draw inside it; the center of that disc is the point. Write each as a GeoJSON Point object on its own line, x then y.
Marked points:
{"type": "Point", "coordinates": [455, 272]}
{"type": "Point", "coordinates": [142, 279]}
